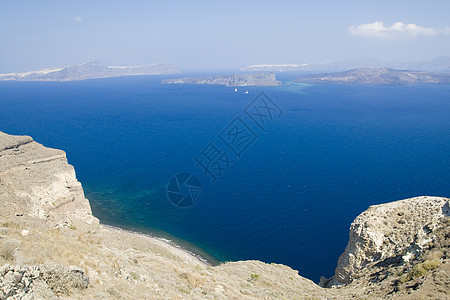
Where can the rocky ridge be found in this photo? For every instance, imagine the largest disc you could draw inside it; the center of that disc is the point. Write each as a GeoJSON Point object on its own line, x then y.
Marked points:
{"type": "Point", "coordinates": [51, 247]}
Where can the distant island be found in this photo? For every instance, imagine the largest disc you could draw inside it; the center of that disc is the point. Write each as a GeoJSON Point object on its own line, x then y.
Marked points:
{"type": "Point", "coordinates": [376, 76]}
{"type": "Point", "coordinates": [438, 65]}
{"type": "Point", "coordinates": [255, 79]}
{"type": "Point", "coordinates": [89, 70]}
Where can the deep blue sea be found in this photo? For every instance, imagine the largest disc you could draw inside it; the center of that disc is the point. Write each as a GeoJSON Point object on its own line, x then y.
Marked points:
{"type": "Point", "coordinates": [288, 198]}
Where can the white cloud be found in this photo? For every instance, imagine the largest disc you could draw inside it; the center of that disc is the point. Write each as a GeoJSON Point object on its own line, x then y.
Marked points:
{"type": "Point", "coordinates": [398, 29]}
{"type": "Point", "coordinates": [77, 19]}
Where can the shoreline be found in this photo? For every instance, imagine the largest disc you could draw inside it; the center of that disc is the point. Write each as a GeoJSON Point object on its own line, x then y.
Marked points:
{"type": "Point", "coordinates": [167, 241]}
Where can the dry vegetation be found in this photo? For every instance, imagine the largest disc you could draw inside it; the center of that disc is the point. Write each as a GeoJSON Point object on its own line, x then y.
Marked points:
{"type": "Point", "coordinates": [123, 265]}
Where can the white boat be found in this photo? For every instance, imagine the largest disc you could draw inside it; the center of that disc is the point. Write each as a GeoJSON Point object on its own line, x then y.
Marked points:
{"type": "Point", "coordinates": [246, 92]}
{"type": "Point", "coordinates": [235, 90]}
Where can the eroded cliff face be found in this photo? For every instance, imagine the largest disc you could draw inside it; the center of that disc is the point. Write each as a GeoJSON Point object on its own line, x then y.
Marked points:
{"type": "Point", "coordinates": [38, 182]}
{"type": "Point", "coordinates": [402, 229]}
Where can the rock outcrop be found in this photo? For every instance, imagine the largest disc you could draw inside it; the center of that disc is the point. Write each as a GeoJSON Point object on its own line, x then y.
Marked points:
{"type": "Point", "coordinates": [40, 282]}
{"type": "Point", "coordinates": [38, 182]}
{"type": "Point", "coordinates": [402, 229]}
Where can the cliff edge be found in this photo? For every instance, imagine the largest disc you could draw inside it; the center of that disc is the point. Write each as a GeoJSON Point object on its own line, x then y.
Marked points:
{"type": "Point", "coordinates": [399, 249]}
{"type": "Point", "coordinates": [51, 247]}
{"type": "Point", "coordinates": [403, 230]}
{"type": "Point", "coordinates": [36, 181]}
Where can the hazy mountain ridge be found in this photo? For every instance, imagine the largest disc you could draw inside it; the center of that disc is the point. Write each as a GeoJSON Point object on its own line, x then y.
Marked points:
{"type": "Point", "coordinates": [89, 70]}
{"type": "Point", "coordinates": [439, 65]}
{"type": "Point", "coordinates": [376, 76]}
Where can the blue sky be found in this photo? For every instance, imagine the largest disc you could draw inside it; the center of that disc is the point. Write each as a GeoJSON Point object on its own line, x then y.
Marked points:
{"type": "Point", "coordinates": [218, 34]}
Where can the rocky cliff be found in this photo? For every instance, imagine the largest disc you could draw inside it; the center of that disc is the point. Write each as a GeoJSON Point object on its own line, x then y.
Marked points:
{"type": "Point", "coordinates": [51, 247]}
{"type": "Point", "coordinates": [401, 230]}
{"type": "Point", "coordinates": [37, 182]}
{"type": "Point", "coordinates": [399, 249]}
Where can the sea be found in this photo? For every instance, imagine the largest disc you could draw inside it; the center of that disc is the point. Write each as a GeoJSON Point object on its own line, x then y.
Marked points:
{"type": "Point", "coordinates": [275, 174]}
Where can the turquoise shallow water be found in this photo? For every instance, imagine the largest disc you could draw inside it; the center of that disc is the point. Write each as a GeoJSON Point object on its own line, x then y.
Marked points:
{"type": "Point", "coordinates": [291, 195]}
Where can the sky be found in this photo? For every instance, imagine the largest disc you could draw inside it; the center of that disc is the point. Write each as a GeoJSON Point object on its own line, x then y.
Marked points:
{"type": "Point", "coordinates": [215, 35]}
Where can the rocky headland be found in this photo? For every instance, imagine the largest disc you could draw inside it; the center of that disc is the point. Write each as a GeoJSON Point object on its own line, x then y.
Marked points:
{"type": "Point", "coordinates": [255, 79]}
{"type": "Point", "coordinates": [52, 247]}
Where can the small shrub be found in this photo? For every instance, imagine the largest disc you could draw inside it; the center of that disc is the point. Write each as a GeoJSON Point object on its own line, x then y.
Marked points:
{"type": "Point", "coordinates": [430, 264]}
{"type": "Point", "coordinates": [134, 275]}
{"type": "Point", "coordinates": [254, 277]}
{"type": "Point", "coordinates": [405, 278]}
{"type": "Point", "coordinates": [420, 270]}
{"type": "Point", "coordinates": [8, 249]}
{"type": "Point", "coordinates": [9, 224]}
{"type": "Point", "coordinates": [196, 280]}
